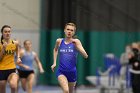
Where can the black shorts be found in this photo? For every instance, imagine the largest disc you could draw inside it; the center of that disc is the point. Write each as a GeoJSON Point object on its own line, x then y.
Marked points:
{"type": "Point", "coordinates": [24, 74]}
{"type": "Point", "coordinates": [4, 74]}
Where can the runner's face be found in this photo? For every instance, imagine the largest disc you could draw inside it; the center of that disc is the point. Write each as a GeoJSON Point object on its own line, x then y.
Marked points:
{"type": "Point", "coordinates": [6, 33]}
{"type": "Point", "coordinates": [28, 45]}
{"type": "Point", "coordinates": [69, 31]}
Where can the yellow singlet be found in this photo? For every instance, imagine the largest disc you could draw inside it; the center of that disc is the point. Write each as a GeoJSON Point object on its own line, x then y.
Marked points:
{"type": "Point", "coordinates": [7, 61]}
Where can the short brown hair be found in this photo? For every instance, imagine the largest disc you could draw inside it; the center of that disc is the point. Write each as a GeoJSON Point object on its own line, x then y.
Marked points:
{"type": "Point", "coordinates": [71, 24]}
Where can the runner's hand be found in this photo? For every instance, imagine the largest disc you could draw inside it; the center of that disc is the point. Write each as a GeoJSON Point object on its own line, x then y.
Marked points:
{"type": "Point", "coordinates": [53, 67]}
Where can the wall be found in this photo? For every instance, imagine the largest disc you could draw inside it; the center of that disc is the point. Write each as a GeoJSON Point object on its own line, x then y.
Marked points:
{"type": "Point", "coordinates": [24, 18]}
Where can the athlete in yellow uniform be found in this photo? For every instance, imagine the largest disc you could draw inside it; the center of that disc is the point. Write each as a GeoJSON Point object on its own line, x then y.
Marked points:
{"type": "Point", "coordinates": [8, 48]}
{"type": "Point", "coordinates": [7, 62]}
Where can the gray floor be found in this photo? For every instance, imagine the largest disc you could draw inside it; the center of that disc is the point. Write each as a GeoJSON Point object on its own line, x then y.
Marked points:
{"type": "Point", "coordinates": [56, 89]}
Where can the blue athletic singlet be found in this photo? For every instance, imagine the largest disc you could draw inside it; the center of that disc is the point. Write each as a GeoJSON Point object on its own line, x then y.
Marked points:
{"type": "Point", "coordinates": [27, 59]}
{"type": "Point", "coordinates": [67, 61]}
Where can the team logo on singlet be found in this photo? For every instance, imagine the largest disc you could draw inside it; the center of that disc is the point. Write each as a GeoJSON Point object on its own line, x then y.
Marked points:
{"type": "Point", "coordinates": [10, 49]}
{"type": "Point", "coordinates": [9, 52]}
{"type": "Point", "coordinates": [66, 50]}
